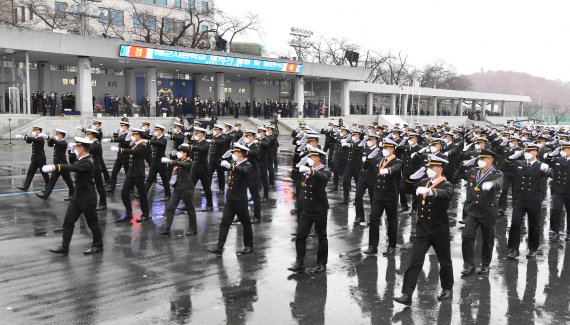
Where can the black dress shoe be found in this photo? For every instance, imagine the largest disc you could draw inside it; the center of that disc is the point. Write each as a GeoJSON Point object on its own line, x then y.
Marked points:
{"type": "Point", "coordinates": [166, 199]}
{"type": "Point", "coordinates": [21, 188]}
{"type": "Point", "coordinates": [358, 221]}
{"type": "Point", "coordinates": [513, 254]}
{"type": "Point", "coordinates": [42, 196]}
{"type": "Point", "coordinates": [313, 235]}
{"type": "Point", "coordinates": [404, 209]}
{"type": "Point", "coordinates": [371, 250]}
{"type": "Point", "coordinates": [59, 250]}
{"type": "Point", "coordinates": [320, 269]}
{"type": "Point", "coordinates": [461, 222]}
{"type": "Point", "coordinates": [218, 251]}
{"type": "Point", "coordinates": [297, 268]}
{"type": "Point", "coordinates": [256, 221]}
{"type": "Point", "coordinates": [93, 250]}
{"type": "Point", "coordinates": [567, 237]}
{"type": "Point", "coordinates": [110, 191]}
{"type": "Point", "coordinates": [125, 219]}
{"type": "Point", "coordinates": [143, 218]}
{"type": "Point", "coordinates": [502, 213]}
{"type": "Point", "coordinates": [207, 209]}
{"type": "Point", "coordinates": [246, 250]}
{"type": "Point", "coordinates": [445, 295]}
{"type": "Point", "coordinates": [468, 270]}
{"type": "Point", "coordinates": [345, 202]}
{"type": "Point", "coordinates": [101, 207]}
{"type": "Point", "coordinates": [293, 211]}
{"type": "Point", "coordinates": [191, 232]}
{"type": "Point", "coordinates": [531, 254]}
{"type": "Point", "coordinates": [68, 198]}
{"type": "Point", "coordinates": [413, 212]}
{"type": "Point", "coordinates": [390, 251]}
{"type": "Point", "coordinates": [164, 232]}
{"type": "Point", "coordinates": [404, 299]}
{"type": "Point", "coordinates": [484, 269]}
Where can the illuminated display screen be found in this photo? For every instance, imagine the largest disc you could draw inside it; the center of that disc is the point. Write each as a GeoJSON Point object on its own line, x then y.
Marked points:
{"type": "Point", "coordinates": [137, 52]}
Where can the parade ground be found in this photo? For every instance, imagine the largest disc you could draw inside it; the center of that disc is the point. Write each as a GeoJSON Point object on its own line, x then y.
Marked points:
{"type": "Point", "coordinates": [143, 277]}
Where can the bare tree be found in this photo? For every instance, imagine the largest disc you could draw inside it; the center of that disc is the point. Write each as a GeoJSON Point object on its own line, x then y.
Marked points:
{"type": "Point", "coordinates": [229, 26]}
{"type": "Point", "coordinates": [531, 110]}
{"type": "Point", "coordinates": [559, 111]}
{"type": "Point", "coordinates": [330, 51]}
{"type": "Point", "coordinates": [441, 75]}
{"type": "Point", "coordinates": [49, 16]}
{"type": "Point", "coordinates": [394, 69]}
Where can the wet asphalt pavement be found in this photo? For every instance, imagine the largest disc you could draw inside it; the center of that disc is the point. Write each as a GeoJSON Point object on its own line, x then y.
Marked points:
{"type": "Point", "coordinates": [145, 278]}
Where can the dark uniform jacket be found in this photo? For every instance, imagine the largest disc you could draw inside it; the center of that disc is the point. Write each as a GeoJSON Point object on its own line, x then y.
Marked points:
{"type": "Point", "coordinates": [313, 199]}
{"type": "Point", "coordinates": [38, 153]}
{"type": "Point", "coordinates": [158, 149]}
{"type": "Point", "coordinates": [136, 159]}
{"type": "Point", "coordinates": [96, 152]}
{"type": "Point", "coordinates": [84, 184]}
{"type": "Point", "coordinates": [386, 187]}
{"type": "Point", "coordinates": [264, 151]}
{"type": "Point", "coordinates": [177, 139]}
{"type": "Point", "coordinates": [369, 168]}
{"type": "Point", "coordinates": [354, 156]}
{"type": "Point", "coordinates": [482, 204]}
{"type": "Point", "coordinates": [252, 156]}
{"type": "Point", "coordinates": [219, 145]}
{"type": "Point", "coordinates": [560, 173]}
{"type": "Point", "coordinates": [527, 180]}
{"type": "Point", "coordinates": [59, 150]}
{"type": "Point", "coordinates": [411, 164]}
{"type": "Point", "coordinates": [123, 145]}
{"type": "Point", "coordinates": [184, 180]}
{"type": "Point", "coordinates": [238, 180]}
{"type": "Point", "coordinates": [200, 152]}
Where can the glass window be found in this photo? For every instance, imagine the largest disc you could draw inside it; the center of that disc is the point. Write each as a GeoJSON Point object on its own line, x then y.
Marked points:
{"type": "Point", "coordinates": [192, 4]}
{"type": "Point", "coordinates": [59, 6]}
{"type": "Point", "coordinates": [117, 17]}
{"type": "Point", "coordinates": [205, 6]}
{"type": "Point", "coordinates": [204, 28]}
{"type": "Point", "coordinates": [104, 16]}
{"type": "Point", "coordinates": [177, 3]}
{"type": "Point", "coordinates": [168, 25]}
{"type": "Point", "coordinates": [160, 2]}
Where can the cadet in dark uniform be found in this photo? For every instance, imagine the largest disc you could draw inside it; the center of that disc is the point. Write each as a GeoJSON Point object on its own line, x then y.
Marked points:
{"type": "Point", "coordinates": [272, 156]}
{"type": "Point", "coordinates": [353, 163]}
{"type": "Point", "coordinates": [275, 151]}
{"type": "Point", "coordinates": [385, 199]}
{"type": "Point", "coordinates": [147, 135]}
{"type": "Point", "coordinates": [559, 188]}
{"type": "Point", "coordinates": [177, 137]}
{"type": "Point", "coordinates": [84, 199]}
{"type": "Point", "coordinates": [432, 227]}
{"type": "Point", "coordinates": [508, 173]}
{"type": "Point", "coordinates": [527, 198]}
{"type": "Point", "coordinates": [135, 176]}
{"type": "Point", "coordinates": [262, 160]}
{"type": "Point", "coordinates": [59, 145]}
{"type": "Point", "coordinates": [158, 144]}
{"type": "Point", "coordinates": [236, 200]}
{"type": "Point", "coordinates": [313, 206]}
{"type": "Point", "coordinates": [97, 127]}
{"type": "Point", "coordinates": [183, 190]}
{"type": "Point", "coordinates": [411, 162]}
{"type": "Point", "coordinates": [96, 152]}
{"type": "Point", "coordinates": [342, 148]}
{"type": "Point", "coordinates": [253, 177]}
{"type": "Point", "coordinates": [480, 210]}
{"type": "Point", "coordinates": [219, 144]}
{"type": "Point", "coordinates": [200, 151]}
{"type": "Point", "coordinates": [38, 159]}
{"type": "Point", "coordinates": [367, 176]}
{"type": "Point", "coordinates": [123, 139]}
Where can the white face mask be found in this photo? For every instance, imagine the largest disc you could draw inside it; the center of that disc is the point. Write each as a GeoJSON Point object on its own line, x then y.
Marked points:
{"type": "Point", "coordinates": [155, 133]}
{"type": "Point", "coordinates": [511, 144]}
{"type": "Point", "coordinates": [310, 162]}
{"type": "Point", "coordinates": [540, 145]}
{"type": "Point", "coordinates": [234, 157]}
{"type": "Point", "coordinates": [385, 152]}
{"type": "Point", "coordinates": [430, 173]}
{"type": "Point", "coordinates": [410, 142]}
{"type": "Point", "coordinates": [481, 164]}
{"type": "Point", "coordinates": [76, 152]}
{"type": "Point", "coordinates": [447, 141]}
{"type": "Point", "coordinates": [179, 155]}
{"type": "Point", "coordinates": [369, 143]}
{"type": "Point", "coordinates": [527, 155]}
{"type": "Point", "coordinates": [563, 154]}
{"type": "Point", "coordinates": [354, 138]}
{"type": "Point", "coordinates": [477, 146]}
{"type": "Point", "coordinates": [433, 149]}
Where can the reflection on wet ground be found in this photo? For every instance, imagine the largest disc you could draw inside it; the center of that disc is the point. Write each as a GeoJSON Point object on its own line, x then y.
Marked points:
{"type": "Point", "coordinates": [144, 278]}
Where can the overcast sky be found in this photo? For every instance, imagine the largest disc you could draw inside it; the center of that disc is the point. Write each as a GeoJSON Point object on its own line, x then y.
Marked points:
{"type": "Point", "coordinates": [523, 35]}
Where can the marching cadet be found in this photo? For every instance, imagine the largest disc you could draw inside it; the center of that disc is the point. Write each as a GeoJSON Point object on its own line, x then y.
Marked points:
{"type": "Point", "coordinates": [340, 156]}
{"type": "Point", "coordinates": [97, 126]}
{"type": "Point", "coordinates": [262, 161]}
{"type": "Point", "coordinates": [59, 145]}
{"type": "Point", "coordinates": [219, 144]}
{"type": "Point", "coordinates": [200, 152]}
{"type": "Point", "coordinates": [508, 173]}
{"type": "Point", "coordinates": [135, 176]}
{"type": "Point", "coordinates": [385, 199]}
{"type": "Point", "coordinates": [480, 210]}
{"type": "Point", "coordinates": [313, 206]}
{"type": "Point", "coordinates": [177, 137]}
{"type": "Point", "coordinates": [253, 176]}
{"type": "Point", "coordinates": [432, 227]}
{"type": "Point", "coordinates": [37, 139]}
{"type": "Point", "coordinates": [123, 139]}
{"type": "Point", "coordinates": [157, 151]}
{"type": "Point", "coordinates": [411, 162]}
{"type": "Point", "coordinates": [146, 135]}
{"type": "Point", "coordinates": [367, 176]}
{"type": "Point", "coordinates": [183, 190]}
{"type": "Point", "coordinates": [275, 133]}
{"type": "Point", "coordinates": [236, 199]}
{"type": "Point", "coordinates": [559, 188]}
{"type": "Point", "coordinates": [84, 199]}
{"type": "Point", "coordinates": [273, 145]}
{"type": "Point", "coordinates": [353, 163]}
{"type": "Point", "coordinates": [237, 133]}
{"type": "Point", "coordinates": [96, 151]}
{"type": "Point", "coordinates": [452, 151]}
{"type": "Point", "coordinates": [527, 198]}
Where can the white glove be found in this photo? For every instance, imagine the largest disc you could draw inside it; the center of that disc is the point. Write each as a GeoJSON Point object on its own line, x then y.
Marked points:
{"type": "Point", "coordinates": [555, 152]}
{"type": "Point", "coordinates": [422, 150]}
{"type": "Point", "coordinates": [227, 154]}
{"type": "Point", "coordinates": [48, 168]}
{"type": "Point", "coordinates": [405, 139]}
{"type": "Point", "coordinates": [209, 140]}
{"type": "Point", "coordinates": [305, 169]}
{"type": "Point", "coordinates": [544, 167]}
{"type": "Point", "coordinates": [424, 191]}
{"type": "Point", "coordinates": [343, 140]}
{"type": "Point", "coordinates": [255, 142]}
{"type": "Point", "coordinates": [363, 159]}
{"type": "Point", "coordinates": [345, 144]}
{"type": "Point", "coordinates": [78, 128]}
{"type": "Point", "coordinates": [504, 143]}
{"type": "Point", "coordinates": [164, 160]}
{"type": "Point", "coordinates": [226, 164]}
{"type": "Point", "coordinates": [446, 153]}
{"type": "Point", "coordinates": [470, 162]}
{"type": "Point", "coordinates": [516, 155]}
{"type": "Point", "coordinates": [115, 149]}
{"type": "Point", "coordinates": [19, 136]}
{"type": "Point", "coordinates": [413, 155]}
{"type": "Point", "coordinates": [467, 147]}
{"type": "Point", "coordinates": [374, 153]}
{"type": "Point", "coordinates": [418, 174]}
{"type": "Point", "coordinates": [106, 140]}
{"type": "Point", "coordinates": [384, 171]}
{"type": "Point", "coordinates": [42, 135]}
{"type": "Point", "coordinates": [487, 186]}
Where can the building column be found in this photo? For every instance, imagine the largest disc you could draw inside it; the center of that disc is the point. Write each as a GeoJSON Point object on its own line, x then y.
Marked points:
{"type": "Point", "coordinates": [197, 84]}
{"type": "Point", "coordinates": [483, 111]}
{"type": "Point", "coordinates": [44, 76]}
{"type": "Point", "coordinates": [344, 98]}
{"type": "Point", "coordinates": [521, 109]}
{"type": "Point", "coordinates": [369, 103]}
{"type": "Point", "coordinates": [393, 104]}
{"type": "Point", "coordinates": [404, 105]}
{"type": "Point", "coordinates": [151, 89]}
{"type": "Point", "coordinates": [299, 94]}
{"type": "Point", "coordinates": [473, 106]}
{"type": "Point", "coordinates": [460, 106]}
{"type": "Point", "coordinates": [2, 90]}
{"type": "Point", "coordinates": [219, 88]}
{"type": "Point", "coordinates": [434, 105]}
{"type": "Point", "coordinates": [131, 84]}
{"type": "Point", "coordinates": [84, 88]}
{"type": "Point", "coordinates": [502, 108]}
{"type": "Point", "coordinates": [253, 91]}
{"type": "Point", "coordinates": [453, 107]}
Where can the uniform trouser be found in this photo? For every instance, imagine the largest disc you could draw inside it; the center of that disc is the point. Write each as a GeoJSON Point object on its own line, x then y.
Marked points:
{"type": "Point", "coordinates": [204, 178]}
{"type": "Point", "coordinates": [487, 226]}
{"type": "Point", "coordinates": [105, 172]}
{"type": "Point", "coordinates": [53, 180]}
{"type": "Point", "coordinates": [253, 187]}
{"type": "Point", "coordinates": [306, 221]}
{"type": "Point", "coordinates": [231, 210]}
{"type": "Point", "coordinates": [403, 197]}
{"type": "Point", "coordinates": [508, 182]}
{"type": "Point", "coordinates": [532, 209]}
{"type": "Point", "coordinates": [160, 170]}
{"type": "Point", "coordinates": [98, 179]}
{"type": "Point", "coordinates": [74, 211]}
{"type": "Point", "coordinates": [34, 166]}
{"type": "Point", "coordinates": [130, 183]}
{"type": "Point", "coordinates": [558, 203]}
{"type": "Point", "coordinates": [177, 196]}
{"type": "Point", "coordinates": [378, 208]}
{"type": "Point", "coordinates": [271, 171]}
{"type": "Point", "coordinates": [440, 244]}
{"type": "Point", "coordinates": [274, 152]}
{"type": "Point", "coordinates": [220, 171]}
{"type": "Point", "coordinates": [348, 176]}
{"type": "Point", "coordinates": [338, 171]}
{"type": "Point", "coordinates": [361, 187]}
{"type": "Point", "coordinates": [263, 177]}
{"type": "Point", "coordinates": [119, 163]}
